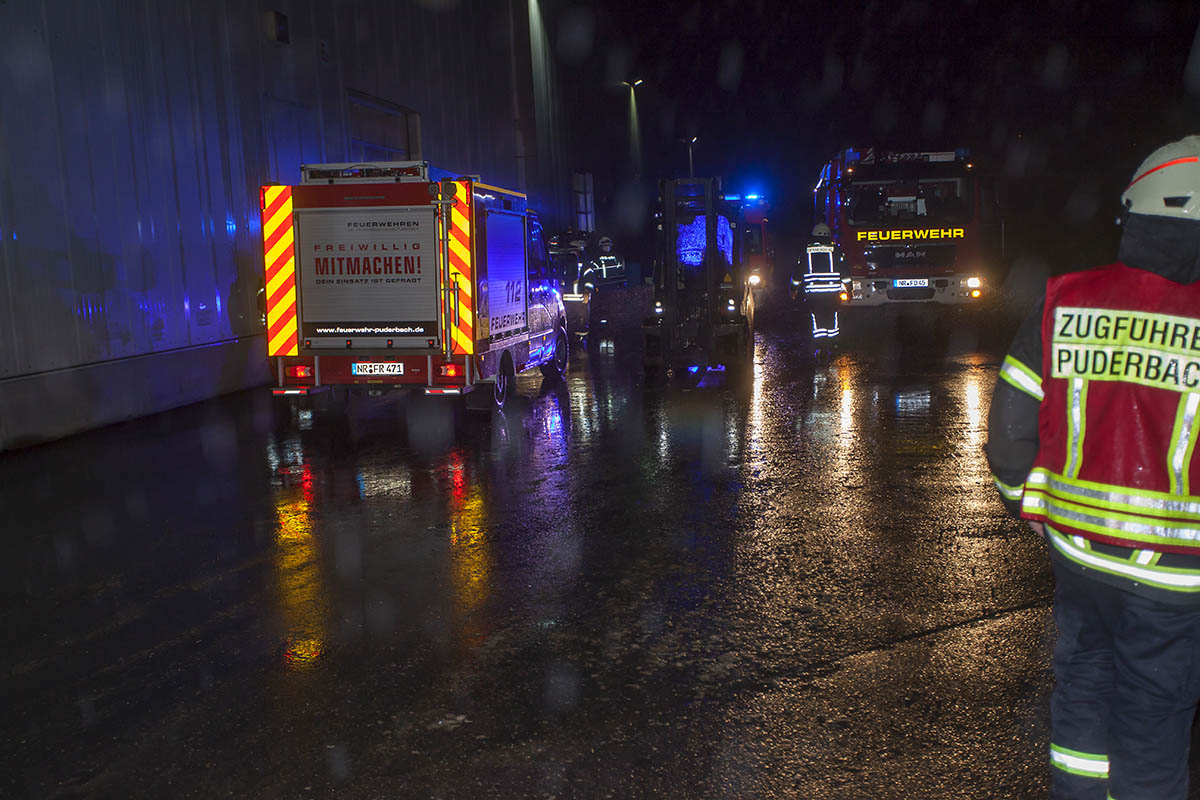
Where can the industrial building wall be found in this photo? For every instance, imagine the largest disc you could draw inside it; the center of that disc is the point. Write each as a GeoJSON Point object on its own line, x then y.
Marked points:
{"type": "Point", "coordinates": [134, 136]}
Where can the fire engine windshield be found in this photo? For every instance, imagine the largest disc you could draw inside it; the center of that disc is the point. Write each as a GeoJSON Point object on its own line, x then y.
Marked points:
{"type": "Point", "coordinates": [885, 200]}
{"type": "Point", "coordinates": [754, 240]}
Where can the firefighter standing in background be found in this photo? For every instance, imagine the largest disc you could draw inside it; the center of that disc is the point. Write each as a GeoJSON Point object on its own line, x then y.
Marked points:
{"type": "Point", "coordinates": [820, 275]}
{"type": "Point", "coordinates": [607, 267]}
{"type": "Point", "coordinates": [1092, 439]}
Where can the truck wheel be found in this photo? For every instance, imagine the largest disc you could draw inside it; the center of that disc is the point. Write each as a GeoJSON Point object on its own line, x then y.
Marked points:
{"type": "Point", "coordinates": [557, 366]}
{"type": "Point", "coordinates": [505, 376]}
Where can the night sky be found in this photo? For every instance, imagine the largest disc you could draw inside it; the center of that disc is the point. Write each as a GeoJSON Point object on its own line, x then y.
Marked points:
{"type": "Point", "coordinates": [1060, 99]}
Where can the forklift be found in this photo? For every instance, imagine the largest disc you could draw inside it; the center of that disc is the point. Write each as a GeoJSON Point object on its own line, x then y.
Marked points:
{"type": "Point", "coordinates": [703, 314]}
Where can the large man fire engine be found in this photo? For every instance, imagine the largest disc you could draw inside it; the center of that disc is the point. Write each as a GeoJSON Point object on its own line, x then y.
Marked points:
{"type": "Point", "coordinates": [396, 275]}
{"type": "Point", "coordinates": [914, 226]}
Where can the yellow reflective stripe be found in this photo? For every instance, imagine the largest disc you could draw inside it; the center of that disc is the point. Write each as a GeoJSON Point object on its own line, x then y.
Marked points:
{"type": "Point", "coordinates": [283, 216]}
{"type": "Point", "coordinates": [1183, 443]}
{"type": "Point", "coordinates": [1022, 377]}
{"type": "Point", "coordinates": [1147, 530]}
{"type": "Point", "coordinates": [462, 341]}
{"type": "Point", "coordinates": [459, 220]}
{"type": "Point", "coordinates": [1010, 492]}
{"type": "Point", "coordinates": [1145, 557]}
{"type": "Point", "coordinates": [1116, 498]}
{"type": "Point", "coordinates": [1076, 426]}
{"type": "Point", "coordinates": [460, 251]}
{"type": "Point", "coordinates": [285, 272]}
{"type": "Point", "coordinates": [1169, 578]}
{"type": "Point", "coordinates": [272, 194]}
{"type": "Point", "coordinates": [277, 345]}
{"type": "Point", "coordinates": [1090, 765]}
{"type": "Point", "coordinates": [277, 250]}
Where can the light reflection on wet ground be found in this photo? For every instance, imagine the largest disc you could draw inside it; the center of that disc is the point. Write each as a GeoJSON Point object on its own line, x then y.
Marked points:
{"type": "Point", "coordinates": [800, 586]}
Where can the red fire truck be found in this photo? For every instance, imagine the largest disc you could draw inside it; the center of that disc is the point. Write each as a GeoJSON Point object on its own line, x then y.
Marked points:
{"type": "Point", "coordinates": [913, 226]}
{"type": "Point", "coordinates": [381, 276]}
{"type": "Point", "coordinates": [758, 253]}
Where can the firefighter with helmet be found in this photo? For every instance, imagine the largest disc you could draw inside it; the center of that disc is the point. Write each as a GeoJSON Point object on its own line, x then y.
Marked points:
{"type": "Point", "coordinates": [819, 275]}
{"type": "Point", "coordinates": [607, 267]}
{"type": "Point", "coordinates": [1092, 440]}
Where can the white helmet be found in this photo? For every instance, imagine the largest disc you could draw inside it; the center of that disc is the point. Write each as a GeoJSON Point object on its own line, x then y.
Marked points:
{"type": "Point", "coordinates": [1167, 184]}
{"type": "Point", "coordinates": [821, 231]}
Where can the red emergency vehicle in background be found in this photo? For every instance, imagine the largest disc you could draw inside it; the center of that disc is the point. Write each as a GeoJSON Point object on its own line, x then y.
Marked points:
{"type": "Point", "coordinates": [396, 275]}
{"type": "Point", "coordinates": [913, 226]}
{"type": "Point", "coordinates": [758, 254]}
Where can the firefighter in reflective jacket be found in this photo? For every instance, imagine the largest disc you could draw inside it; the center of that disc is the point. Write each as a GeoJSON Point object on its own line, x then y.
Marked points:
{"type": "Point", "coordinates": [1092, 440]}
{"type": "Point", "coordinates": [607, 267]}
{"type": "Point", "coordinates": [820, 276]}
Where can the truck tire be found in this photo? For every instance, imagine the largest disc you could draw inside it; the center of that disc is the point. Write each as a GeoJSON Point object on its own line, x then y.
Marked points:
{"type": "Point", "coordinates": [556, 367]}
{"type": "Point", "coordinates": [506, 376]}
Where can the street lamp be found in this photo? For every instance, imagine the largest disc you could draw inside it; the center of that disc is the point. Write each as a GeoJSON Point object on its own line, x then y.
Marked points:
{"type": "Point", "coordinates": [689, 143]}
{"type": "Point", "coordinates": [635, 139]}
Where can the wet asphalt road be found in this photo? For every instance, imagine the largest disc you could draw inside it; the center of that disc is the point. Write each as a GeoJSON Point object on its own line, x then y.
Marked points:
{"type": "Point", "coordinates": [796, 587]}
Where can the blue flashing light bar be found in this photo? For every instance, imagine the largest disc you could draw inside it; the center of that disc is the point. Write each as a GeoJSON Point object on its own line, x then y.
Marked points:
{"type": "Point", "coordinates": [749, 198]}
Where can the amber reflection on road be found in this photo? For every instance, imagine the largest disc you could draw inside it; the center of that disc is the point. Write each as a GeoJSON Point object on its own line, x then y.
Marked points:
{"type": "Point", "coordinates": [300, 586]}
{"type": "Point", "coordinates": [470, 554]}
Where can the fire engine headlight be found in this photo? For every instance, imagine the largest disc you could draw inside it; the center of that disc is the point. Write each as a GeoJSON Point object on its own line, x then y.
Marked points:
{"type": "Point", "coordinates": [974, 283]}
{"type": "Point", "coordinates": [755, 280]}
{"type": "Point", "coordinates": [658, 309]}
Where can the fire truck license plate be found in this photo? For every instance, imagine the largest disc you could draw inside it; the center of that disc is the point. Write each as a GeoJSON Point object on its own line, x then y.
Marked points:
{"type": "Point", "coordinates": [908, 283]}
{"type": "Point", "coordinates": [376, 368]}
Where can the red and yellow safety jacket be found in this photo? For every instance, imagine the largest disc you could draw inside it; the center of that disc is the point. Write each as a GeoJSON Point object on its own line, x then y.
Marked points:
{"type": "Point", "coordinates": [1117, 425]}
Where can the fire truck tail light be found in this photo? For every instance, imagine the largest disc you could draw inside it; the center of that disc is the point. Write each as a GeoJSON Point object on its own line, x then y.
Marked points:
{"type": "Point", "coordinates": [450, 370]}
{"type": "Point", "coordinates": [299, 372]}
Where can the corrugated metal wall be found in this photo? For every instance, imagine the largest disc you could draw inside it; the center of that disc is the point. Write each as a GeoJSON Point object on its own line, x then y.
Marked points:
{"type": "Point", "coordinates": [134, 136]}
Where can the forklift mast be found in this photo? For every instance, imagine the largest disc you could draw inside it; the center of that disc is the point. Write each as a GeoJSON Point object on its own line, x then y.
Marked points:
{"type": "Point", "coordinates": [697, 240]}
{"type": "Point", "coordinates": [703, 312]}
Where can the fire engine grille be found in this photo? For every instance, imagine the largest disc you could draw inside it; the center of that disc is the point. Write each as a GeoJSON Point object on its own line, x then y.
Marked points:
{"type": "Point", "coordinates": [910, 294]}
{"type": "Point", "coordinates": [930, 256]}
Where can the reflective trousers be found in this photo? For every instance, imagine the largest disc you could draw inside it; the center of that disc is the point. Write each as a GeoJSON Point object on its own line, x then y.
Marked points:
{"type": "Point", "coordinates": [823, 309]}
{"type": "Point", "coordinates": [1127, 679]}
